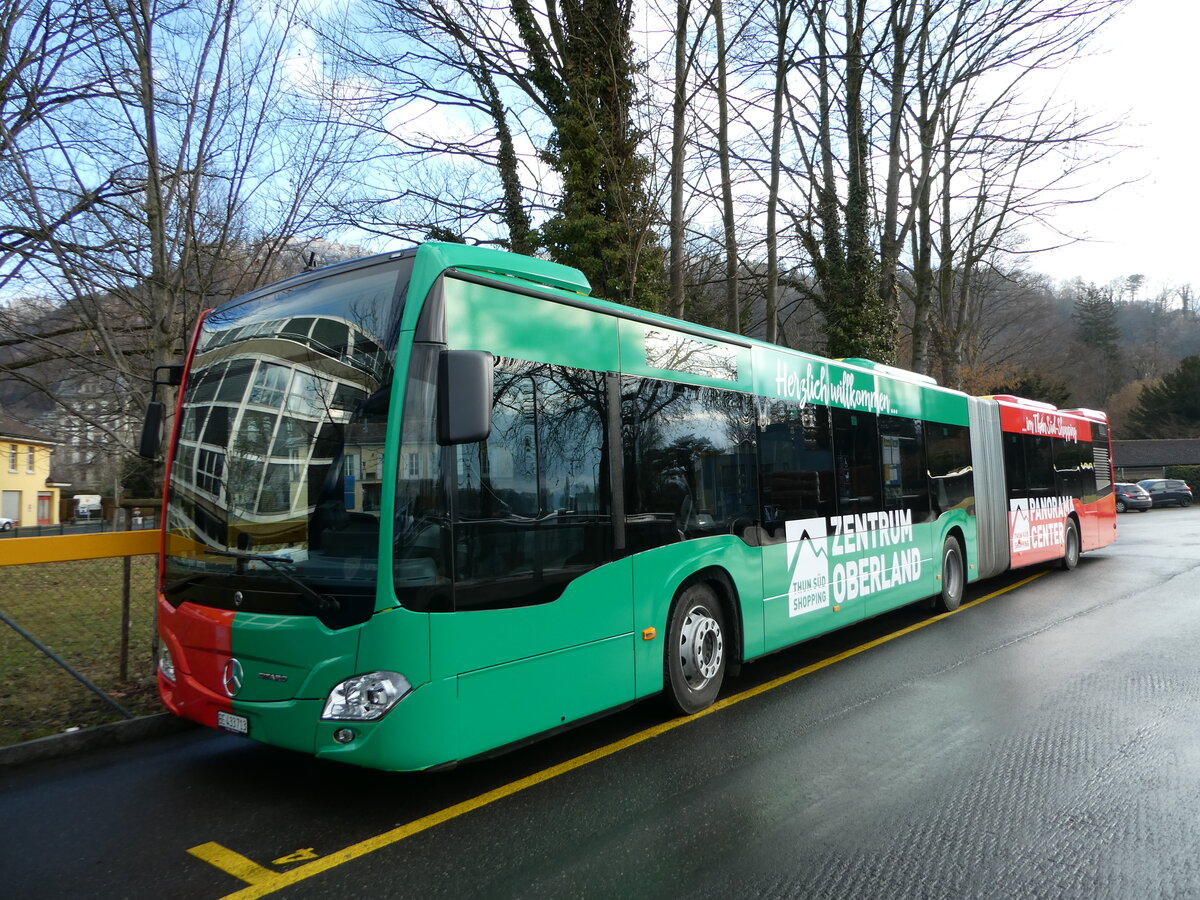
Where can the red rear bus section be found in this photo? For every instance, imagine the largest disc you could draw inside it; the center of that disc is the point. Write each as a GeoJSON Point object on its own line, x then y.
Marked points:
{"type": "Point", "coordinates": [1046, 491]}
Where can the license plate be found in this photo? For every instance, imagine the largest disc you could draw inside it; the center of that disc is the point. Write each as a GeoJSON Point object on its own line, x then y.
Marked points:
{"type": "Point", "coordinates": [230, 722]}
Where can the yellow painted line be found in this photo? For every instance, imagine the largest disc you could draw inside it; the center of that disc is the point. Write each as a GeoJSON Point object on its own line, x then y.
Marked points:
{"type": "Point", "coordinates": [233, 863]}
{"type": "Point", "coordinates": [66, 547]}
{"type": "Point", "coordinates": [260, 886]}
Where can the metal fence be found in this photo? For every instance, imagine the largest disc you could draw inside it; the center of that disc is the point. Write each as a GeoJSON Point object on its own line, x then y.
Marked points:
{"type": "Point", "coordinates": [82, 526]}
{"type": "Point", "coordinates": [77, 639]}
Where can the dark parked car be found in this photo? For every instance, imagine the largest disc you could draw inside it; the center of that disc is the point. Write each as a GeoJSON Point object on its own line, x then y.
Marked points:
{"type": "Point", "coordinates": [1165, 491]}
{"type": "Point", "coordinates": [1132, 496]}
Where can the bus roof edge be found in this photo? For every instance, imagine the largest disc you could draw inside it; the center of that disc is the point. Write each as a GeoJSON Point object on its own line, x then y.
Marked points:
{"type": "Point", "coordinates": [513, 265]}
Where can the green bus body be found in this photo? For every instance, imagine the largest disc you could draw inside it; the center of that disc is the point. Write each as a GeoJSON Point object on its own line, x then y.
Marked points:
{"type": "Point", "coordinates": [812, 494]}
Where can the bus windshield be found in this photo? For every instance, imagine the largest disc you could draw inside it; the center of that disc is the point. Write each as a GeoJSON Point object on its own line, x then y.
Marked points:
{"type": "Point", "coordinates": [275, 480]}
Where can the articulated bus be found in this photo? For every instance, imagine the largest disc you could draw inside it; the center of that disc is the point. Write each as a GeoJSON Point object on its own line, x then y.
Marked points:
{"type": "Point", "coordinates": [425, 506]}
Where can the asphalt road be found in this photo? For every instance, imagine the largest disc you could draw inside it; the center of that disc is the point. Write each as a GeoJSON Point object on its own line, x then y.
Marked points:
{"type": "Point", "coordinates": [1039, 743]}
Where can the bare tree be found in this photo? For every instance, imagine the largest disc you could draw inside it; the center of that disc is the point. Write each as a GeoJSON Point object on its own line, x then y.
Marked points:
{"type": "Point", "coordinates": [892, 133]}
{"type": "Point", "coordinates": [830, 122]}
{"type": "Point", "coordinates": [683, 62]}
{"type": "Point", "coordinates": [189, 168]}
{"type": "Point", "coordinates": [47, 50]}
{"type": "Point", "coordinates": [988, 159]}
{"type": "Point", "coordinates": [420, 83]}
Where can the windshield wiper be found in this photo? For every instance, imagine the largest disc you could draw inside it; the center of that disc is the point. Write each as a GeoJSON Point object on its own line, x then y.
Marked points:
{"type": "Point", "coordinates": [319, 602]}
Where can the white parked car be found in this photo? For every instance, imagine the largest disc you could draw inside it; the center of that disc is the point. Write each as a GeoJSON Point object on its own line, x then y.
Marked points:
{"type": "Point", "coordinates": [7, 524]}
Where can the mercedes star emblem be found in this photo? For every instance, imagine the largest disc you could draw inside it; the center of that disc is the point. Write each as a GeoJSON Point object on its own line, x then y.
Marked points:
{"type": "Point", "coordinates": [233, 677]}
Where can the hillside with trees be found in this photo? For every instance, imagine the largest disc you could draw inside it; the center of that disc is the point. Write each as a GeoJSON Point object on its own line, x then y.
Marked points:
{"type": "Point", "coordinates": [853, 179]}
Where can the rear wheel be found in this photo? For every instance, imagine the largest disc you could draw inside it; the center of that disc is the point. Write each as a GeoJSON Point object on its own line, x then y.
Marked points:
{"type": "Point", "coordinates": [694, 660]}
{"type": "Point", "coordinates": [1120, 506]}
{"type": "Point", "coordinates": [1071, 544]}
{"type": "Point", "coordinates": [1186, 501]}
{"type": "Point", "coordinates": [953, 577]}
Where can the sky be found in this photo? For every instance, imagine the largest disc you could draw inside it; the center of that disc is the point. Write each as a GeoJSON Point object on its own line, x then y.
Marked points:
{"type": "Point", "coordinates": [1145, 75]}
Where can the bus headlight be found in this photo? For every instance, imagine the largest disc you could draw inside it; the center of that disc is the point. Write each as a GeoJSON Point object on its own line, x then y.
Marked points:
{"type": "Point", "coordinates": [365, 698]}
{"type": "Point", "coordinates": [166, 664]}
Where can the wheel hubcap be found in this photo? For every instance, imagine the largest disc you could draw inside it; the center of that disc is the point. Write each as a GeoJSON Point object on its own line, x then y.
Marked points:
{"type": "Point", "coordinates": [701, 647]}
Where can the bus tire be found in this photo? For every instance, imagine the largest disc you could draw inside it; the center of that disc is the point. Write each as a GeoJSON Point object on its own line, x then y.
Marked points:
{"type": "Point", "coordinates": [1071, 545]}
{"type": "Point", "coordinates": [695, 656]}
{"type": "Point", "coordinates": [954, 578]}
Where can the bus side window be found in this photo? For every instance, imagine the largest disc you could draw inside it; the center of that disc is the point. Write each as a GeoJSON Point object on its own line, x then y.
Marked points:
{"type": "Point", "coordinates": [1029, 466]}
{"type": "Point", "coordinates": [1073, 468]}
{"type": "Point", "coordinates": [531, 507]}
{"type": "Point", "coordinates": [690, 462]}
{"type": "Point", "coordinates": [1014, 465]}
{"type": "Point", "coordinates": [497, 478]}
{"type": "Point", "coordinates": [421, 566]}
{"type": "Point", "coordinates": [1039, 466]}
{"type": "Point", "coordinates": [796, 465]}
{"type": "Point", "coordinates": [902, 453]}
{"type": "Point", "coordinates": [952, 478]}
{"type": "Point", "coordinates": [856, 457]}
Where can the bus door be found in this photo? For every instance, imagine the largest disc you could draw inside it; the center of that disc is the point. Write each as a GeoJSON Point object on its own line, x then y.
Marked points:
{"type": "Point", "coordinates": [1075, 479]}
{"type": "Point", "coordinates": [881, 543]}
{"type": "Point", "coordinates": [538, 598]}
{"type": "Point", "coordinates": [798, 490]}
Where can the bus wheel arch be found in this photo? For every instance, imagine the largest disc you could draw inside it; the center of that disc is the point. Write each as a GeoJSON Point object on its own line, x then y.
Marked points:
{"type": "Point", "coordinates": [952, 573]}
{"type": "Point", "coordinates": [1071, 546]}
{"type": "Point", "coordinates": [702, 641]}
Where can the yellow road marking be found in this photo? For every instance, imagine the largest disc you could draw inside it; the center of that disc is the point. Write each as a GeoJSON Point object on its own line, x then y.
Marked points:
{"type": "Point", "coordinates": [233, 863]}
{"type": "Point", "coordinates": [263, 881]}
{"type": "Point", "coordinates": [302, 855]}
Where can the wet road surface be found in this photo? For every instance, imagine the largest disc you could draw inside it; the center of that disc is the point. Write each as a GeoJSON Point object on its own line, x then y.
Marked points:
{"type": "Point", "coordinates": [1041, 743]}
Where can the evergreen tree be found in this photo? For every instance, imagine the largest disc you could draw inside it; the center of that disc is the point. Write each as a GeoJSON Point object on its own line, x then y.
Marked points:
{"type": "Point", "coordinates": [583, 72]}
{"type": "Point", "coordinates": [1170, 408]}
{"type": "Point", "coordinates": [1095, 316]}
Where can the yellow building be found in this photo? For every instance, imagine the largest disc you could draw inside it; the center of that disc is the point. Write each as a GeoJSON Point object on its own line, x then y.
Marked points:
{"type": "Point", "coordinates": [28, 495]}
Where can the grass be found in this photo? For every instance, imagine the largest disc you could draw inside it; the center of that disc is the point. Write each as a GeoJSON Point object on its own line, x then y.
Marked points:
{"type": "Point", "coordinates": [74, 608]}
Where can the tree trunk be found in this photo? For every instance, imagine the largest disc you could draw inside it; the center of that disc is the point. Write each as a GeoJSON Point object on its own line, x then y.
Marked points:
{"type": "Point", "coordinates": [782, 25]}
{"type": "Point", "coordinates": [678, 148]}
{"type": "Point", "coordinates": [731, 245]}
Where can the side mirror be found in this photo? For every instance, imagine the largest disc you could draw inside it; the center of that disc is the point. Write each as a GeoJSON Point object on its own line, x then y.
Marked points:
{"type": "Point", "coordinates": [152, 430]}
{"type": "Point", "coordinates": [151, 440]}
{"type": "Point", "coordinates": [464, 396]}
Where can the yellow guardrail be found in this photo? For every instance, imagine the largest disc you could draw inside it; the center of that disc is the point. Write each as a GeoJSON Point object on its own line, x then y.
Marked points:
{"type": "Point", "coordinates": [65, 547]}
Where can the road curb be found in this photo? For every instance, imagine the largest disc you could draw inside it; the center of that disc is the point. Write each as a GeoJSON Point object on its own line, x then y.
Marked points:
{"type": "Point", "coordinates": [110, 735]}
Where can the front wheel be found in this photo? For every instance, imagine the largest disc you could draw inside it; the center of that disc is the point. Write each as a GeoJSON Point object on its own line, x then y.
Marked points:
{"type": "Point", "coordinates": [1071, 546]}
{"type": "Point", "coordinates": [694, 660]}
{"type": "Point", "coordinates": [953, 577]}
